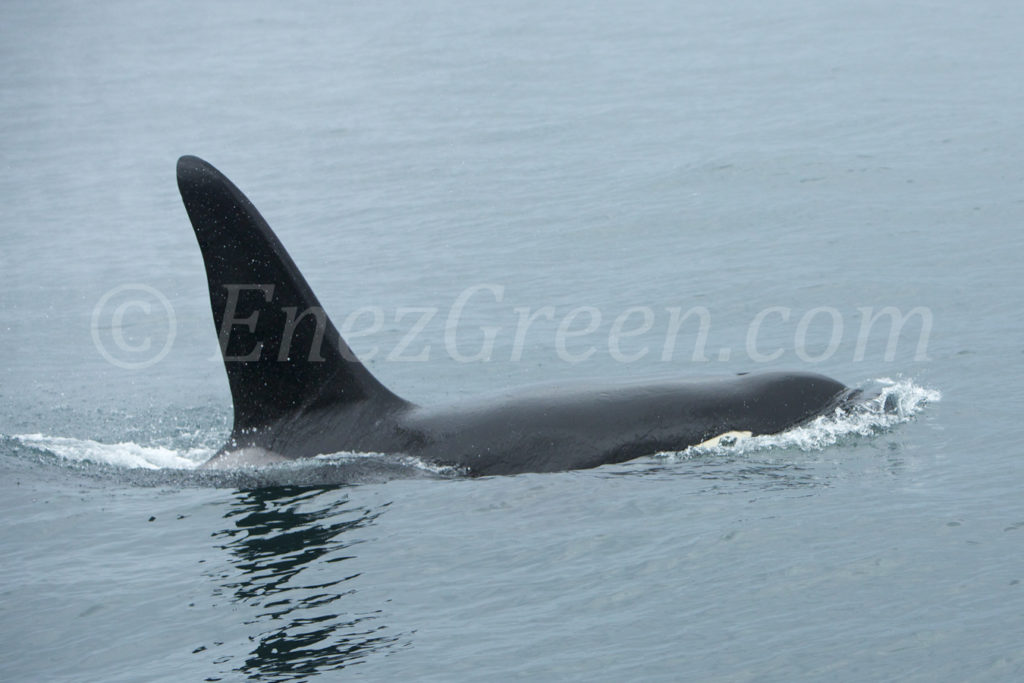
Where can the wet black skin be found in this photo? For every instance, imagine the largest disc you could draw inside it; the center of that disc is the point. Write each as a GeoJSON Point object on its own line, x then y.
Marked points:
{"type": "Point", "coordinates": [299, 391]}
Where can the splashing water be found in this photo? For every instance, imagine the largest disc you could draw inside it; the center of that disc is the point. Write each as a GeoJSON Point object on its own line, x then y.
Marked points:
{"type": "Point", "coordinates": [896, 402]}
{"type": "Point", "coordinates": [409, 461]}
{"type": "Point", "coordinates": [124, 454]}
{"type": "Point", "coordinates": [147, 465]}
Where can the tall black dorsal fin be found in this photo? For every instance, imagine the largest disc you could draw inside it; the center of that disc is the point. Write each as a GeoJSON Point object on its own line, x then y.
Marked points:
{"type": "Point", "coordinates": [282, 354]}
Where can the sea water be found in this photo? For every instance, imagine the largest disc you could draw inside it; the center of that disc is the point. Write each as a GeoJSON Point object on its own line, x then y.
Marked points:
{"type": "Point", "coordinates": [485, 195]}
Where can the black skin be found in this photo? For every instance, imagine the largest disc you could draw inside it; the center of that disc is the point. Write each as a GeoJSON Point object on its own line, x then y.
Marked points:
{"type": "Point", "coordinates": [299, 391]}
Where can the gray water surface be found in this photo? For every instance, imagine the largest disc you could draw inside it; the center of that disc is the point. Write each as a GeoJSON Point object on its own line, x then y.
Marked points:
{"type": "Point", "coordinates": [797, 161]}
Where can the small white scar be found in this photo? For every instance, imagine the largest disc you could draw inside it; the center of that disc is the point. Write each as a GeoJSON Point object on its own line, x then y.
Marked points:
{"type": "Point", "coordinates": [726, 439]}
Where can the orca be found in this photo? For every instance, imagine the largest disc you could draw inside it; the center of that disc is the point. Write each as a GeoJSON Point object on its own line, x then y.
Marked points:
{"type": "Point", "coordinates": [299, 391]}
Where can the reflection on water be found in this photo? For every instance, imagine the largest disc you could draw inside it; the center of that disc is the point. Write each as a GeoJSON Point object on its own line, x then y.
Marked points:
{"type": "Point", "coordinates": [290, 545]}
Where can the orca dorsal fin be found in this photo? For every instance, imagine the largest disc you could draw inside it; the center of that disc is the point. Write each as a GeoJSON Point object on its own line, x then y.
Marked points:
{"type": "Point", "coordinates": [282, 354]}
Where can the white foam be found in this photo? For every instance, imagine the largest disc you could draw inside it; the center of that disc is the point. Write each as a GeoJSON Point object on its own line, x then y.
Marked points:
{"type": "Point", "coordinates": [133, 455]}
{"type": "Point", "coordinates": [406, 460]}
{"type": "Point", "coordinates": [897, 402]}
{"type": "Point", "coordinates": [125, 454]}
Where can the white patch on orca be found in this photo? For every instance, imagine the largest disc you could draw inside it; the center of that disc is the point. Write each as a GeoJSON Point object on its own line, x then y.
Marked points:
{"type": "Point", "coordinates": [725, 440]}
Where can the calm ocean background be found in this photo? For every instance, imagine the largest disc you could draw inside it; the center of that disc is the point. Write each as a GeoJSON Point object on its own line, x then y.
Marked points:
{"type": "Point", "coordinates": [739, 156]}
